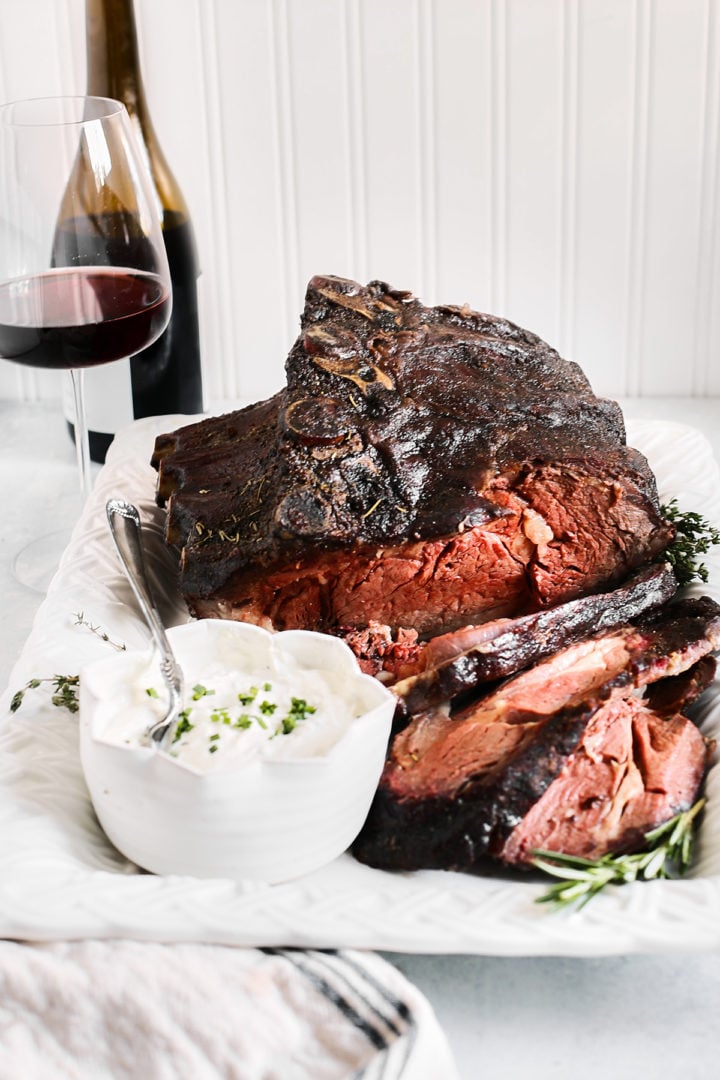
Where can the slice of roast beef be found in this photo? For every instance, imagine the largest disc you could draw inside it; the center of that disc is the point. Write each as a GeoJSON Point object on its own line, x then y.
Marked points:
{"type": "Point", "coordinates": [632, 771]}
{"type": "Point", "coordinates": [456, 786]}
{"type": "Point", "coordinates": [455, 663]}
{"type": "Point", "coordinates": [424, 467]}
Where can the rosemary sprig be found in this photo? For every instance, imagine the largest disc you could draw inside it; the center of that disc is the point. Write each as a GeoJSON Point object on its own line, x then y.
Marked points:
{"type": "Point", "coordinates": [694, 536]}
{"type": "Point", "coordinates": [668, 854]}
{"type": "Point", "coordinates": [65, 693]}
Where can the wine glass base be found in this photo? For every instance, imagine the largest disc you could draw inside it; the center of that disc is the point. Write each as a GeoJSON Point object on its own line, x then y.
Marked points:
{"type": "Point", "coordinates": [35, 564]}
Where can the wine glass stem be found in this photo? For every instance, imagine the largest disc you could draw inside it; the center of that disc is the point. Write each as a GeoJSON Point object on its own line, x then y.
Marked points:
{"type": "Point", "coordinates": [82, 444]}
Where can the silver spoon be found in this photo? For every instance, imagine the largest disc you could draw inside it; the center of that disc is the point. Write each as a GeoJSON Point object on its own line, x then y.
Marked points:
{"type": "Point", "coordinates": [124, 522]}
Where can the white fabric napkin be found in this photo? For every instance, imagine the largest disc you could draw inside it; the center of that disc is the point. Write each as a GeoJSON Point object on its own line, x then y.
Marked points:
{"type": "Point", "coordinates": [91, 1010]}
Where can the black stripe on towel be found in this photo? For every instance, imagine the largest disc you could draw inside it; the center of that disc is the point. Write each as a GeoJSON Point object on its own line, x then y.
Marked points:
{"type": "Point", "coordinates": [371, 1032]}
{"type": "Point", "coordinates": [402, 1010]}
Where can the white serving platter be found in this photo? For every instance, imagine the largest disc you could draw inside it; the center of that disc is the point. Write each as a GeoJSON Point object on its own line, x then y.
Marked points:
{"type": "Point", "coordinates": [60, 878]}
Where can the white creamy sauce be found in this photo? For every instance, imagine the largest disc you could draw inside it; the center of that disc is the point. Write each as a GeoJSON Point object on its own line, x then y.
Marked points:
{"type": "Point", "coordinates": [231, 717]}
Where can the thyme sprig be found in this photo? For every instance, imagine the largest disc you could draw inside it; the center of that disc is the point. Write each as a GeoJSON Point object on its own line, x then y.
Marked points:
{"type": "Point", "coordinates": [80, 620]}
{"type": "Point", "coordinates": [65, 693]}
{"type": "Point", "coordinates": [668, 853]}
{"type": "Point", "coordinates": [694, 537]}
{"type": "Point", "coordinates": [66, 687]}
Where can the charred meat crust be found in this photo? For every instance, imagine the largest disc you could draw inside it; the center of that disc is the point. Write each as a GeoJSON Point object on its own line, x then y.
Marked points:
{"type": "Point", "coordinates": [455, 787]}
{"type": "Point", "coordinates": [517, 643]}
{"type": "Point", "coordinates": [411, 447]}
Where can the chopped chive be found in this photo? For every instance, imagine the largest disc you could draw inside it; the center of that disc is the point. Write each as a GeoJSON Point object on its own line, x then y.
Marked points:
{"type": "Point", "coordinates": [300, 707]}
{"type": "Point", "coordinates": [220, 715]}
{"type": "Point", "coordinates": [212, 748]}
{"type": "Point", "coordinates": [200, 691]}
{"type": "Point", "coordinates": [248, 696]}
{"type": "Point", "coordinates": [214, 737]}
{"type": "Point", "coordinates": [299, 710]}
{"type": "Point", "coordinates": [183, 726]}
{"type": "Point", "coordinates": [151, 692]}
{"type": "Point", "coordinates": [267, 708]}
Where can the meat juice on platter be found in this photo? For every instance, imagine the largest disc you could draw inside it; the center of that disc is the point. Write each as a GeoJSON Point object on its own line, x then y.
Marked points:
{"type": "Point", "coordinates": [441, 489]}
{"type": "Point", "coordinates": [79, 317]}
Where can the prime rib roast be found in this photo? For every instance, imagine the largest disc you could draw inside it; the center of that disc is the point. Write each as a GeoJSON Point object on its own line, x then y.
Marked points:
{"type": "Point", "coordinates": [423, 468]}
{"type": "Point", "coordinates": [444, 491]}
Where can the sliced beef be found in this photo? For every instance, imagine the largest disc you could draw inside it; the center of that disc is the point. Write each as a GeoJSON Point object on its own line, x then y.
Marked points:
{"type": "Point", "coordinates": [631, 771]}
{"type": "Point", "coordinates": [423, 468]}
{"type": "Point", "coordinates": [455, 663]}
{"type": "Point", "coordinates": [457, 786]}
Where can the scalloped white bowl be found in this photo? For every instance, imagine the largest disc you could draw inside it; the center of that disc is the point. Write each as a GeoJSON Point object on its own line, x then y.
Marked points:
{"type": "Point", "coordinates": [262, 820]}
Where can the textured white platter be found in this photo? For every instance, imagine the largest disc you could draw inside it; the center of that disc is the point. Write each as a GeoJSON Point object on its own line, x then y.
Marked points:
{"type": "Point", "coordinates": [60, 878]}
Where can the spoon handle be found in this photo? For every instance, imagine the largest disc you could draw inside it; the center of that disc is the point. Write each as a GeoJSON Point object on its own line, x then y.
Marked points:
{"type": "Point", "coordinates": [124, 522]}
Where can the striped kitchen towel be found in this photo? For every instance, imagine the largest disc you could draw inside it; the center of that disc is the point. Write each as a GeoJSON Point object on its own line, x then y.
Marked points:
{"type": "Point", "coordinates": [110, 1010]}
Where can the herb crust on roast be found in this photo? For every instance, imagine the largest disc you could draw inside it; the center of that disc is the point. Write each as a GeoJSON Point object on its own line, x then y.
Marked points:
{"type": "Point", "coordinates": [423, 467]}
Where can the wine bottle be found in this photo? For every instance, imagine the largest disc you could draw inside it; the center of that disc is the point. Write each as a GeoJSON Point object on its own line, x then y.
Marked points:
{"type": "Point", "coordinates": [166, 377]}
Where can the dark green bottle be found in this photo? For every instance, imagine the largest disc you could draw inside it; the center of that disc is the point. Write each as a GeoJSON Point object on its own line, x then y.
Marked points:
{"type": "Point", "coordinates": [166, 377]}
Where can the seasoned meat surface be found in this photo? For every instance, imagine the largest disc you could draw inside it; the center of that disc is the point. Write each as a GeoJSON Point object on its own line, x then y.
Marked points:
{"type": "Point", "coordinates": [460, 661]}
{"type": "Point", "coordinates": [513, 770]}
{"type": "Point", "coordinates": [424, 467]}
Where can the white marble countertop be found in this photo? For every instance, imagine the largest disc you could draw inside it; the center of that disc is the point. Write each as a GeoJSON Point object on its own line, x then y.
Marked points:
{"type": "Point", "coordinates": [629, 1017]}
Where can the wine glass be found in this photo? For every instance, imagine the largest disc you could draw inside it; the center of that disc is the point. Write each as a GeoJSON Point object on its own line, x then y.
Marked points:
{"type": "Point", "coordinates": [84, 277]}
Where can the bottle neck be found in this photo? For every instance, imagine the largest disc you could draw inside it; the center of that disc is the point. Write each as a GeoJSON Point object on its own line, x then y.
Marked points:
{"type": "Point", "coordinates": [113, 64]}
{"type": "Point", "coordinates": [113, 70]}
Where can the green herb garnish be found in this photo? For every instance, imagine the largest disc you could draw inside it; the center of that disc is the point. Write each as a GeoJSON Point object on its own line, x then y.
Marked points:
{"type": "Point", "coordinates": [267, 687]}
{"type": "Point", "coordinates": [299, 710]}
{"type": "Point", "coordinates": [220, 716]}
{"type": "Point", "coordinates": [213, 748]}
{"type": "Point", "coordinates": [65, 694]}
{"type": "Point", "coordinates": [66, 687]}
{"type": "Point", "coordinates": [243, 721]}
{"type": "Point", "coordinates": [183, 725]}
{"type": "Point", "coordinates": [668, 854]}
{"type": "Point", "coordinates": [694, 537]}
{"type": "Point", "coordinates": [200, 691]}
{"type": "Point", "coordinates": [80, 620]}
{"type": "Point", "coordinates": [267, 708]}
{"type": "Point", "coordinates": [249, 696]}
{"type": "Point", "coordinates": [151, 692]}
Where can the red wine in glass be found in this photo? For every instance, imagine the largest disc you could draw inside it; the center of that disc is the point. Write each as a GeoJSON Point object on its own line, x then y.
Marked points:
{"type": "Point", "coordinates": [73, 175]}
{"type": "Point", "coordinates": [79, 317]}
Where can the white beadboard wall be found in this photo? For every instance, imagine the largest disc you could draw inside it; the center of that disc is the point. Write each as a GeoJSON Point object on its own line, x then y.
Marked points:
{"type": "Point", "coordinates": [554, 161]}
